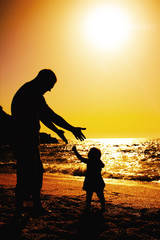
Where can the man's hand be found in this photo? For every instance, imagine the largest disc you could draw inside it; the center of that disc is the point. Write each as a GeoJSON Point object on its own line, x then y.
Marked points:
{"type": "Point", "coordinates": [60, 133]}
{"type": "Point", "coordinates": [77, 132]}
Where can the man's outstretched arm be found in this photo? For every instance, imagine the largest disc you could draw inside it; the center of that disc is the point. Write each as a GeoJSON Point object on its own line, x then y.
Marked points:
{"type": "Point", "coordinates": [50, 116]}
{"type": "Point", "coordinates": [51, 126]}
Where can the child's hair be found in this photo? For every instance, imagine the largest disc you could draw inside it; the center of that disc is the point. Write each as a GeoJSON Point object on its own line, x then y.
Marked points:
{"type": "Point", "coordinates": [94, 153]}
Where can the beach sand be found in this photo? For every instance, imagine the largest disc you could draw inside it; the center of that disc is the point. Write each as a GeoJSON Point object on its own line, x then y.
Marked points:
{"type": "Point", "coordinates": [132, 211]}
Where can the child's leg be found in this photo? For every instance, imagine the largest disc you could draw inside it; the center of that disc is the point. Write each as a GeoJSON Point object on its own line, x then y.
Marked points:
{"type": "Point", "coordinates": [100, 195]}
{"type": "Point", "coordinates": [89, 195]}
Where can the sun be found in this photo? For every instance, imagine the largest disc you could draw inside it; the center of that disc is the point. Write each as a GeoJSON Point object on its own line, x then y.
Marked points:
{"type": "Point", "coordinates": [107, 27]}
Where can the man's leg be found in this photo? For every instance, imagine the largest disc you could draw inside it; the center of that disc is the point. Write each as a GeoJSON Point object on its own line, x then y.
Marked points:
{"type": "Point", "coordinates": [37, 185]}
{"type": "Point", "coordinates": [20, 187]}
{"type": "Point", "coordinates": [19, 201]}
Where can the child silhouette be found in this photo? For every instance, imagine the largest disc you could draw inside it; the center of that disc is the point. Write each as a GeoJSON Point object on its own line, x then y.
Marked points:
{"type": "Point", "coordinates": [93, 179]}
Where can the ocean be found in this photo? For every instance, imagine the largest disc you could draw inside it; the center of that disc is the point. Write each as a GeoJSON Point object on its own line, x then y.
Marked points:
{"type": "Point", "coordinates": [134, 159]}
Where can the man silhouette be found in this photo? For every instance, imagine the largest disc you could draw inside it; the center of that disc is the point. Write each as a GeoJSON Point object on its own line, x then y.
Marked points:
{"type": "Point", "coordinates": [28, 109]}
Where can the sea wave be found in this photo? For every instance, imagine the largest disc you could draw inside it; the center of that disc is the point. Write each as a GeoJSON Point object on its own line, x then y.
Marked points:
{"type": "Point", "coordinates": [129, 159]}
{"type": "Point", "coordinates": [81, 170]}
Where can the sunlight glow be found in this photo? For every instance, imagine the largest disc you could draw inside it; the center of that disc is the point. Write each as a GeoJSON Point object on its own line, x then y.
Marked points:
{"type": "Point", "coordinates": [107, 27]}
{"type": "Point", "coordinates": [115, 141]}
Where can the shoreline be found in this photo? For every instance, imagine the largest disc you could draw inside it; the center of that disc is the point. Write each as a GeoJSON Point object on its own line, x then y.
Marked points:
{"type": "Point", "coordinates": [129, 193]}
{"type": "Point", "coordinates": [132, 211]}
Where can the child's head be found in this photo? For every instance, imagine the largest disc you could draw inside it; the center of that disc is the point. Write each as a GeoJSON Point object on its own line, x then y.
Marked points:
{"type": "Point", "coordinates": [94, 153]}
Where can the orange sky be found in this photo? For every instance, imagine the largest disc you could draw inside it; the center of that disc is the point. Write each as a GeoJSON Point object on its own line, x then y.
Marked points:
{"type": "Point", "coordinates": [113, 92]}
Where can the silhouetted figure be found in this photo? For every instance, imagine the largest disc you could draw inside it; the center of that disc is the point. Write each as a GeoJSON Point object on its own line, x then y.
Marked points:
{"type": "Point", "coordinates": [28, 109]}
{"type": "Point", "coordinates": [93, 179]}
{"type": "Point", "coordinates": [6, 127]}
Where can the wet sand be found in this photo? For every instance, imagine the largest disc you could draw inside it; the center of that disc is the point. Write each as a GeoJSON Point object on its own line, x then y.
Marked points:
{"type": "Point", "coordinates": [132, 211]}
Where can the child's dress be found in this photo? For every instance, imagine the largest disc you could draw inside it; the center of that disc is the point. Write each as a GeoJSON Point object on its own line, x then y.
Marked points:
{"type": "Point", "coordinates": [93, 179]}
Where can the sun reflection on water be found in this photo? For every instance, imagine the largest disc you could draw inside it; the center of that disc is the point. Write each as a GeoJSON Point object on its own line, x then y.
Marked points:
{"type": "Point", "coordinates": [124, 158]}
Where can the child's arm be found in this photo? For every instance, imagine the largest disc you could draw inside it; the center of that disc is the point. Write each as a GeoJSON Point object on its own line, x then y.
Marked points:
{"type": "Point", "coordinates": [79, 156]}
